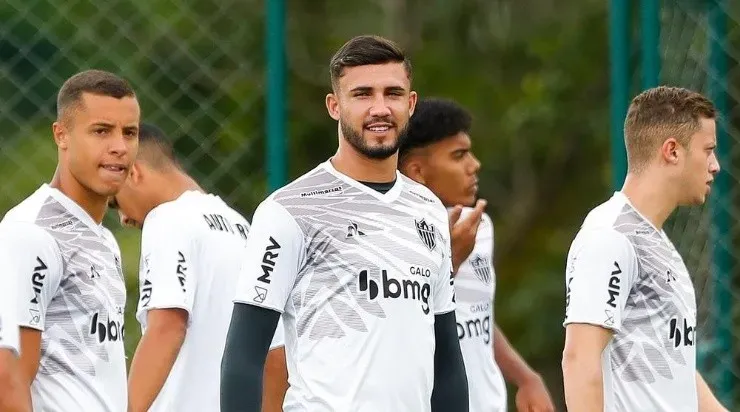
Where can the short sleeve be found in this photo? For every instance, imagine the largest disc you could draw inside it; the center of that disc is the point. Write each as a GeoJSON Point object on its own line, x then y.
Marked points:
{"type": "Point", "coordinates": [275, 250]}
{"type": "Point", "coordinates": [278, 339]}
{"type": "Point", "coordinates": [31, 256]}
{"type": "Point", "coordinates": [8, 320]}
{"type": "Point", "coordinates": [601, 269]}
{"type": "Point", "coordinates": [167, 273]}
{"type": "Point", "coordinates": [444, 285]}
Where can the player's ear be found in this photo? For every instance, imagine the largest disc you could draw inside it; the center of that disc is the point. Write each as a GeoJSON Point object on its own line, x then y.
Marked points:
{"type": "Point", "coordinates": [332, 106]}
{"type": "Point", "coordinates": [413, 169]}
{"type": "Point", "coordinates": [413, 97]}
{"type": "Point", "coordinates": [669, 151]}
{"type": "Point", "coordinates": [135, 175]}
{"type": "Point", "coordinates": [61, 138]}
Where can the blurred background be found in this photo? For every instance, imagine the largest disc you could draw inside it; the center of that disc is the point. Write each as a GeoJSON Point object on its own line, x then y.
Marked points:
{"type": "Point", "coordinates": [240, 84]}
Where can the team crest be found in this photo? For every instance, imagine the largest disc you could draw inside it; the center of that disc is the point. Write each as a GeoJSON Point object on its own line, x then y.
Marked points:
{"type": "Point", "coordinates": [427, 233]}
{"type": "Point", "coordinates": [482, 269]}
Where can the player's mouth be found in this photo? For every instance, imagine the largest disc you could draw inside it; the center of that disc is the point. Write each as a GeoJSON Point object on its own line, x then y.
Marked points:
{"type": "Point", "coordinates": [379, 127]}
{"type": "Point", "coordinates": [474, 186]}
{"type": "Point", "coordinates": [116, 168]}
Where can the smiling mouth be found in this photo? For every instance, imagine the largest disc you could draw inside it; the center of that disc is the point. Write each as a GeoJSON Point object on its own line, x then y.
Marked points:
{"type": "Point", "coordinates": [379, 127]}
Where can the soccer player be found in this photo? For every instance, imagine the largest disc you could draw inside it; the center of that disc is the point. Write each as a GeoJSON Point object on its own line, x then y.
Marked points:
{"type": "Point", "coordinates": [13, 397]}
{"type": "Point", "coordinates": [191, 250]}
{"type": "Point", "coordinates": [437, 153]}
{"type": "Point", "coordinates": [70, 286]}
{"type": "Point", "coordinates": [356, 257]}
{"type": "Point", "coordinates": [630, 340]}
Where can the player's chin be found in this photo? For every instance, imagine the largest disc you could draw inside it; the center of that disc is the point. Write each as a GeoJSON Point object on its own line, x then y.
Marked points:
{"type": "Point", "coordinates": [106, 187]}
{"type": "Point", "coordinates": [387, 137]}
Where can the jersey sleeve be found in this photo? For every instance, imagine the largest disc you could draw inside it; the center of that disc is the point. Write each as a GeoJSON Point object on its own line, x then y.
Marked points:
{"type": "Point", "coordinates": [273, 258]}
{"type": "Point", "coordinates": [8, 320]}
{"type": "Point", "coordinates": [167, 273]}
{"type": "Point", "coordinates": [32, 258]}
{"type": "Point", "coordinates": [278, 339]}
{"type": "Point", "coordinates": [601, 269]}
{"type": "Point", "coordinates": [444, 286]}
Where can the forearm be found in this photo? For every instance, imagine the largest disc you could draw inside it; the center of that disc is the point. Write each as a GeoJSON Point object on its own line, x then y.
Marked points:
{"type": "Point", "coordinates": [242, 366]}
{"type": "Point", "coordinates": [707, 401]}
{"type": "Point", "coordinates": [14, 395]}
{"type": "Point", "coordinates": [275, 381]}
{"type": "Point", "coordinates": [152, 363]}
{"type": "Point", "coordinates": [514, 368]}
{"type": "Point", "coordinates": [450, 381]}
{"type": "Point", "coordinates": [583, 383]}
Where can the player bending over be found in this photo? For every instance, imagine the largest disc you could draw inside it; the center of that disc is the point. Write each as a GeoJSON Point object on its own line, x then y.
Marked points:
{"type": "Point", "coordinates": [630, 340]}
{"type": "Point", "coordinates": [437, 153]}
{"type": "Point", "coordinates": [356, 257]}
{"type": "Point", "coordinates": [67, 266]}
{"type": "Point", "coordinates": [191, 250]}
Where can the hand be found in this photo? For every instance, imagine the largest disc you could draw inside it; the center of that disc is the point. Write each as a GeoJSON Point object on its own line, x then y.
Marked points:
{"type": "Point", "coordinates": [532, 396]}
{"type": "Point", "coordinates": [463, 232]}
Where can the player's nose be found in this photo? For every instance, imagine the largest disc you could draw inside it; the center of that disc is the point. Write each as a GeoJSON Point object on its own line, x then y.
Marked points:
{"type": "Point", "coordinates": [118, 144]}
{"type": "Point", "coordinates": [380, 107]}
{"type": "Point", "coordinates": [475, 164]}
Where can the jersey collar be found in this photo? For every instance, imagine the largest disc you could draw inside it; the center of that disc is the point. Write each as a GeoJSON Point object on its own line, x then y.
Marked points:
{"type": "Point", "coordinates": [386, 197]}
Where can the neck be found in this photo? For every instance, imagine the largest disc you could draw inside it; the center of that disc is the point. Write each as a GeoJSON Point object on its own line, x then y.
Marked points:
{"type": "Point", "coordinates": [174, 183]}
{"type": "Point", "coordinates": [94, 204]}
{"type": "Point", "coordinates": [651, 196]}
{"type": "Point", "coordinates": [362, 168]}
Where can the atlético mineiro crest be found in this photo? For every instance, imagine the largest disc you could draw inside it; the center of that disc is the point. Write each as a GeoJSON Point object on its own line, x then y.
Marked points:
{"type": "Point", "coordinates": [482, 269]}
{"type": "Point", "coordinates": [427, 233]}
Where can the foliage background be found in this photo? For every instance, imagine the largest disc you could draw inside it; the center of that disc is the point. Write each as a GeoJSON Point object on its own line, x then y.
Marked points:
{"type": "Point", "coordinates": [534, 73]}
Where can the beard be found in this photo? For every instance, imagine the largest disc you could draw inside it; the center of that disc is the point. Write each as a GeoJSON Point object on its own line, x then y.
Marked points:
{"type": "Point", "coordinates": [380, 152]}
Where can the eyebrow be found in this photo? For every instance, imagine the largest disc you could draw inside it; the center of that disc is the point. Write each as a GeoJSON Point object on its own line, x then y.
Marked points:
{"type": "Point", "coordinates": [102, 124]}
{"type": "Point", "coordinates": [387, 89]}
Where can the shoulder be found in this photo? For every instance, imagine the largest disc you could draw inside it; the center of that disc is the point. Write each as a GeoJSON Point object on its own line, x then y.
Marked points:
{"type": "Point", "coordinates": [422, 197]}
{"type": "Point", "coordinates": [29, 209]}
{"type": "Point", "coordinates": [317, 183]}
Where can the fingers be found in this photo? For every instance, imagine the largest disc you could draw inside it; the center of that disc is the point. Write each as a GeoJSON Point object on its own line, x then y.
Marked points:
{"type": "Point", "coordinates": [454, 215]}
{"type": "Point", "coordinates": [474, 218]}
{"type": "Point", "coordinates": [480, 207]}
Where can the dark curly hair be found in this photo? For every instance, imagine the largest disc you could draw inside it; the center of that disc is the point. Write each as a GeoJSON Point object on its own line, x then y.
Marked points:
{"type": "Point", "coordinates": [434, 120]}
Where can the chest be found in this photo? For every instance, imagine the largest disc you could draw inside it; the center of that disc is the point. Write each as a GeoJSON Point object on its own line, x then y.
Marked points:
{"type": "Point", "coordinates": [92, 278]}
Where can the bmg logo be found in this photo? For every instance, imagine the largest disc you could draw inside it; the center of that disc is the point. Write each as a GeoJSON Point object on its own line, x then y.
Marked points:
{"type": "Point", "coordinates": [395, 289]}
{"type": "Point", "coordinates": [110, 331]}
{"type": "Point", "coordinates": [473, 328]}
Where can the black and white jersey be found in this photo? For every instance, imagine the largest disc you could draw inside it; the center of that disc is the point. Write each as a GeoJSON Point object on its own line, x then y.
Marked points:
{"type": "Point", "coordinates": [358, 276]}
{"type": "Point", "coordinates": [70, 287]}
{"type": "Point", "coordinates": [625, 275]}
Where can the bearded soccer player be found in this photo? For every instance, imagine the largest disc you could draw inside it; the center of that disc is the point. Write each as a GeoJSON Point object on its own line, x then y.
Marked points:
{"type": "Point", "coordinates": [13, 396]}
{"type": "Point", "coordinates": [630, 341]}
{"type": "Point", "coordinates": [356, 256]}
{"type": "Point", "coordinates": [437, 153]}
{"type": "Point", "coordinates": [191, 250]}
{"type": "Point", "coordinates": [70, 288]}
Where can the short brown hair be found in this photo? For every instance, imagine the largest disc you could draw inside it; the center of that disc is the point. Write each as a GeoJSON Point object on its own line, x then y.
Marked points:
{"type": "Point", "coordinates": [366, 50]}
{"type": "Point", "coordinates": [658, 114]}
{"type": "Point", "coordinates": [96, 82]}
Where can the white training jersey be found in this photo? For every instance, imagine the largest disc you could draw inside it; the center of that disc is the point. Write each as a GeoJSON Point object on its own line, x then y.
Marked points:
{"type": "Point", "coordinates": [9, 333]}
{"type": "Point", "coordinates": [191, 254]}
{"type": "Point", "coordinates": [359, 276]}
{"type": "Point", "coordinates": [70, 286]}
{"type": "Point", "coordinates": [625, 275]}
{"type": "Point", "coordinates": [475, 288]}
